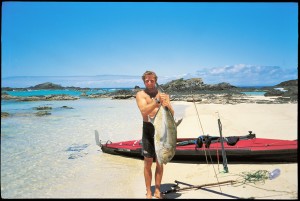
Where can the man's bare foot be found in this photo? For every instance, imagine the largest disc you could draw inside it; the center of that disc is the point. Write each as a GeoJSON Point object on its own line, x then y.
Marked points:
{"type": "Point", "coordinates": [149, 195]}
{"type": "Point", "coordinates": [158, 195]}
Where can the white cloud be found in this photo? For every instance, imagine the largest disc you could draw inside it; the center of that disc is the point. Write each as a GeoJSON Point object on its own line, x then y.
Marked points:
{"type": "Point", "coordinates": [246, 75]}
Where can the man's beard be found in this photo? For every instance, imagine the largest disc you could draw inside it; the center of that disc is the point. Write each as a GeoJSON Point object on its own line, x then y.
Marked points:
{"type": "Point", "coordinates": [151, 92]}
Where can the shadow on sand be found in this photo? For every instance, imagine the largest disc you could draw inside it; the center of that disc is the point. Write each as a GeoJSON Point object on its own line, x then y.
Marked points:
{"type": "Point", "coordinates": [167, 187]}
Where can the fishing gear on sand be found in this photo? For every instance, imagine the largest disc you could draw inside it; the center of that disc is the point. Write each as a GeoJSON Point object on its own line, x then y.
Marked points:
{"type": "Point", "coordinates": [254, 176]}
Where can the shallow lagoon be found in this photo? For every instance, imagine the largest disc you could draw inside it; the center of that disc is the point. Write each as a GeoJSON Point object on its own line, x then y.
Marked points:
{"type": "Point", "coordinates": [56, 155]}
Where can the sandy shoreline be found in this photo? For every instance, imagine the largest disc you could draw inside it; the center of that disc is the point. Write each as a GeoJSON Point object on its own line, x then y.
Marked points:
{"type": "Point", "coordinates": [278, 121]}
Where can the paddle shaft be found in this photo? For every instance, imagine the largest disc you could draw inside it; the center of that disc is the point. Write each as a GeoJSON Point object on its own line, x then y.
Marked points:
{"type": "Point", "coordinates": [197, 186]}
{"type": "Point", "coordinates": [223, 150]}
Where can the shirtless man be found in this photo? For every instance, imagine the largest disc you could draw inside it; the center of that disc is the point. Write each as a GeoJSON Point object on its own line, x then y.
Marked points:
{"type": "Point", "coordinates": [148, 102]}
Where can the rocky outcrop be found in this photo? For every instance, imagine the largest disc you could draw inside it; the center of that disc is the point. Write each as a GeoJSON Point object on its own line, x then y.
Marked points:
{"type": "Point", "coordinates": [288, 90]}
{"type": "Point", "coordinates": [119, 94]}
{"type": "Point", "coordinates": [181, 84]}
{"type": "Point", "coordinates": [288, 83]}
{"type": "Point", "coordinates": [194, 85]}
{"type": "Point", "coordinates": [292, 93]}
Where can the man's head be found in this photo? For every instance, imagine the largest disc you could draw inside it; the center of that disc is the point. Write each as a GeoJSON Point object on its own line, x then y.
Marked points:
{"type": "Point", "coordinates": [150, 79]}
{"type": "Point", "coordinates": [149, 73]}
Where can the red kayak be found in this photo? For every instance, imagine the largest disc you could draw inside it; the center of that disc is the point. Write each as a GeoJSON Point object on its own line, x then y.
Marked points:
{"type": "Point", "coordinates": [246, 148]}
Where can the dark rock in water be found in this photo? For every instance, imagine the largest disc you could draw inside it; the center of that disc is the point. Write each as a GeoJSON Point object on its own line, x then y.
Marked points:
{"type": "Point", "coordinates": [4, 114]}
{"type": "Point", "coordinates": [122, 96]}
{"type": "Point", "coordinates": [274, 92]}
{"type": "Point", "coordinates": [42, 113]}
{"type": "Point", "coordinates": [67, 107]}
{"type": "Point", "coordinates": [43, 108]}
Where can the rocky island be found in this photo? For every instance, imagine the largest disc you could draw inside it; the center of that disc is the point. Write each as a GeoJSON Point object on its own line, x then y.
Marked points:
{"type": "Point", "coordinates": [191, 90]}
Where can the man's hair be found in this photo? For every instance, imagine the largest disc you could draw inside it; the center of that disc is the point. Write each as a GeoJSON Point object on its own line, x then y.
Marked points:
{"type": "Point", "coordinates": [149, 73]}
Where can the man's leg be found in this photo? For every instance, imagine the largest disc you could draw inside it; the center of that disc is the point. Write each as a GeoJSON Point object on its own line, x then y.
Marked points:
{"type": "Point", "coordinates": [158, 177]}
{"type": "Point", "coordinates": [148, 175]}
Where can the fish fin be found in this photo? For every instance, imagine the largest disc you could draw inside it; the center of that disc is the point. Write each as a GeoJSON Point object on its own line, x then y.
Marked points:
{"type": "Point", "coordinates": [178, 122]}
{"type": "Point", "coordinates": [97, 138]}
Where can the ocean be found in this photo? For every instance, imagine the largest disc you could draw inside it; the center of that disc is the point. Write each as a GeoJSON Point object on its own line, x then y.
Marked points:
{"type": "Point", "coordinates": [56, 156]}
{"type": "Point", "coordinates": [92, 91]}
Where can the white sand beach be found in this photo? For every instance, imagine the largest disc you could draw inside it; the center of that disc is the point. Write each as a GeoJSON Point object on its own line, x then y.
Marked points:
{"type": "Point", "coordinates": [277, 121]}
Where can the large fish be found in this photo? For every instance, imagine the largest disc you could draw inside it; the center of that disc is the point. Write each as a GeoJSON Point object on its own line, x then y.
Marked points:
{"type": "Point", "coordinates": [165, 136]}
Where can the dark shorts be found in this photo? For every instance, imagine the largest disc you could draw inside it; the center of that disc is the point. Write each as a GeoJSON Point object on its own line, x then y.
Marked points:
{"type": "Point", "coordinates": [148, 149]}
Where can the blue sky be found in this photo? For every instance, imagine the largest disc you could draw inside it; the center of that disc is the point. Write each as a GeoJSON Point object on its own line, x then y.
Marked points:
{"type": "Point", "coordinates": [238, 43]}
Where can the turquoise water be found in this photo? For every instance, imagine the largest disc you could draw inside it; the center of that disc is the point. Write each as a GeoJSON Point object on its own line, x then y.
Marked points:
{"type": "Point", "coordinates": [89, 92]}
{"type": "Point", "coordinates": [56, 156]}
{"type": "Point", "coordinates": [58, 92]}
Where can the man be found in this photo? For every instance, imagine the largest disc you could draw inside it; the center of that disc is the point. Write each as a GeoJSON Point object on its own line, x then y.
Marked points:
{"type": "Point", "coordinates": [148, 102]}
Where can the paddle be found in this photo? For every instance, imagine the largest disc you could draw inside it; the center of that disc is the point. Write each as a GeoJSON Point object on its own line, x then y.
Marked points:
{"type": "Point", "coordinates": [223, 150]}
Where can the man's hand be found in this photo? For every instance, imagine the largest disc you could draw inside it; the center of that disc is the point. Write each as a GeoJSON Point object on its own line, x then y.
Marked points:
{"type": "Point", "coordinates": [165, 100]}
